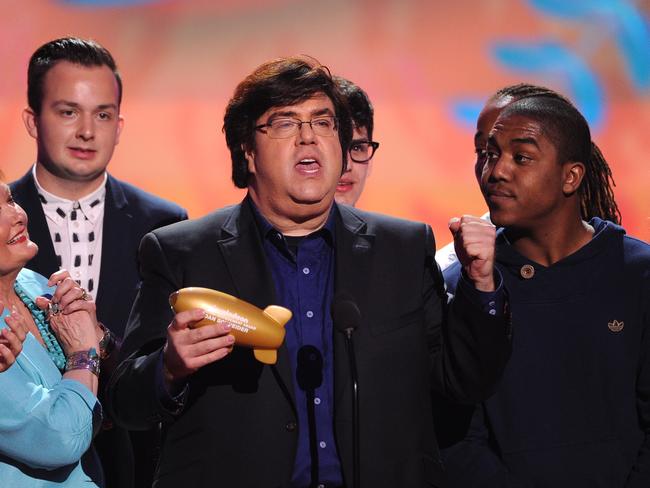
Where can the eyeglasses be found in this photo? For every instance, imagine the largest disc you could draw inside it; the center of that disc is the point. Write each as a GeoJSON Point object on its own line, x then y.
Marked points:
{"type": "Point", "coordinates": [363, 151]}
{"type": "Point", "coordinates": [283, 127]}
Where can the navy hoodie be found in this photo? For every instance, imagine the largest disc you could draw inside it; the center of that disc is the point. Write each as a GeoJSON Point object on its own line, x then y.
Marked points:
{"type": "Point", "coordinates": [573, 406]}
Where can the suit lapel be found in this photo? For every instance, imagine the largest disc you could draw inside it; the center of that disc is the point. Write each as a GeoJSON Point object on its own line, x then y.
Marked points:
{"type": "Point", "coordinates": [244, 255]}
{"type": "Point", "coordinates": [354, 252]}
{"type": "Point", "coordinates": [117, 247]}
{"type": "Point", "coordinates": [25, 193]}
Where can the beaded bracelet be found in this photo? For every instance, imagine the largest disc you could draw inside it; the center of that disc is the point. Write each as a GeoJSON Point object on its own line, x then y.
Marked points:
{"type": "Point", "coordinates": [83, 360]}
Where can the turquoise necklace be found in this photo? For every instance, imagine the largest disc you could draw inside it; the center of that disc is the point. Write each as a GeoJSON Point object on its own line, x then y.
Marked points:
{"type": "Point", "coordinates": [40, 318]}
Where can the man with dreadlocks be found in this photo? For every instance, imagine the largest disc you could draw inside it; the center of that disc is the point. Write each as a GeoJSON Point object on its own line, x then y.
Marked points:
{"type": "Point", "coordinates": [601, 204]}
{"type": "Point", "coordinates": [573, 407]}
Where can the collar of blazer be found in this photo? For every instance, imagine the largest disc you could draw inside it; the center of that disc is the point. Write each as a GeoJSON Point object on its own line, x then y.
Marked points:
{"type": "Point", "coordinates": [241, 246]}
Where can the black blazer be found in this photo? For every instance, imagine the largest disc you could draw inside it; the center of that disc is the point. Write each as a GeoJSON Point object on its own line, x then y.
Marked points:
{"type": "Point", "coordinates": [238, 427]}
{"type": "Point", "coordinates": [129, 213]}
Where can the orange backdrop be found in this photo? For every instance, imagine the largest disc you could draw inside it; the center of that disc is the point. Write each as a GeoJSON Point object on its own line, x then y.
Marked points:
{"type": "Point", "coordinates": [425, 64]}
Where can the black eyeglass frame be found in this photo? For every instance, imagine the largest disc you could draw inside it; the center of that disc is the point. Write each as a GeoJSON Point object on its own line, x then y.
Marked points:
{"type": "Point", "coordinates": [268, 124]}
{"type": "Point", "coordinates": [373, 144]}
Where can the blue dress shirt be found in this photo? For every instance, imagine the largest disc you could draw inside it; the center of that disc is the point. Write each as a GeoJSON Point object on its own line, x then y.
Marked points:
{"type": "Point", "coordinates": [303, 274]}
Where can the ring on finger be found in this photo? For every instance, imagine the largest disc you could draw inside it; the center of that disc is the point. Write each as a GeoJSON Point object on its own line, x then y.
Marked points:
{"type": "Point", "coordinates": [84, 295]}
{"type": "Point", "coordinates": [53, 308]}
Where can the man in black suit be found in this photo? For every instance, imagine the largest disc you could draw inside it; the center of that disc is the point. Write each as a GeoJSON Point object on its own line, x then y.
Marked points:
{"type": "Point", "coordinates": [82, 218]}
{"type": "Point", "coordinates": [230, 420]}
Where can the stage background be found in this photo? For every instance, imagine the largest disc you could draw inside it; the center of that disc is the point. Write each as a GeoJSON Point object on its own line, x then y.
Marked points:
{"type": "Point", "coordinates": [427, 65]}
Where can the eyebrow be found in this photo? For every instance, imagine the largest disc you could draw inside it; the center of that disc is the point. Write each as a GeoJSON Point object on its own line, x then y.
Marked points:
{"type": "Point", "coordinates": [526, 140]}
{"type": "Point", "coordinates": [291, 113]}
{"type": "Point", "coordinates": [67, 103]}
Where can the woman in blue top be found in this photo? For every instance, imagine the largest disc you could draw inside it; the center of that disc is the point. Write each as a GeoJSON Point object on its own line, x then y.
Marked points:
{"type": "Point", "coordinates": [48, 391]}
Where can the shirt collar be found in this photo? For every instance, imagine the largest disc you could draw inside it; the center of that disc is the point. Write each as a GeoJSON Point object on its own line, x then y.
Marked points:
{"type": "Point", "coordinates": [59, 208]}
{"type": "Point", "coordinates": [267, 231]}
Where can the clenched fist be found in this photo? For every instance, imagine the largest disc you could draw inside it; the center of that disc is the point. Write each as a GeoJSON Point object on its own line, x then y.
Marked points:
{"type": "Point", "coordinates": [474, 242]}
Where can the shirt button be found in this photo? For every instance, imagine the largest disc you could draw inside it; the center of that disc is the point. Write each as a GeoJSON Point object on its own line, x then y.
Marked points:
{"type": "Point", "coordinates": [527, 271]}
{"type": "Point", "coordinates": [291, 426]}
{"type": "Point", "coordinates": [317, 401]}
{"type": "Point", "coordinates": [305, 271]}
{"type": "Point", "coordinates": [491, 304]}
{"type": "Point", "coordinates": [309, 314]}
{"type": "Point", "coordinates": [320, 485]}
{"type": "Point", "coordinates": [322, 444]}
{"type": "Point", "coordinates": [492, 312]}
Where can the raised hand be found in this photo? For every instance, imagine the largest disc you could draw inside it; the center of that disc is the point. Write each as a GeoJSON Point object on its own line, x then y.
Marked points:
{"type": "Point", "coordinates": [474, 242]}
{"type": "Point", "coordinates": [11, 338]}
{"type": "Point", "coordinates": [72, 314]}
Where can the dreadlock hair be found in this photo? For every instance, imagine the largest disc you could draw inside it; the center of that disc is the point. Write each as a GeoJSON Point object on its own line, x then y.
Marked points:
{"type": "Point", "coordinates": [596, 190]}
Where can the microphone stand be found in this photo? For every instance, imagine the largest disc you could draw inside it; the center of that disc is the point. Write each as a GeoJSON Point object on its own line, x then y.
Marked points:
{"type": "Point", "coordinates": [313, 450]}
{"type": "Point", "coordinates": [356, 464]}
{"type": "Point", "coordinates": [310, 376]}
{"type": "Point", "coordinates": [347, 317]}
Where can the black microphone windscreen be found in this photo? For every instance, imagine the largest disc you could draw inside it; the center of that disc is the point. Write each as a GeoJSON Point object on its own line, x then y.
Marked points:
{"type": "Point", "coordinates": [345, 313]}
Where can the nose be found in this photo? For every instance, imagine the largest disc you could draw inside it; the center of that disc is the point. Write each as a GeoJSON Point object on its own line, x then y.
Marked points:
{"type": "Point", "coordinates": [86, 129]}
{"type": "Point", "coordinates": [306, 134]}
{"type": "Point", "coordinates": [16, 214]}
{"type": "Point", "coordinates": [497, 169]}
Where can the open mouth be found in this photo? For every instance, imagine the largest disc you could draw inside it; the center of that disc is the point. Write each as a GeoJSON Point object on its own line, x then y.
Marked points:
{"type": "Point", "coordinates": [308, 165]}
{"type": "Point", "coordinates": [19, 237]}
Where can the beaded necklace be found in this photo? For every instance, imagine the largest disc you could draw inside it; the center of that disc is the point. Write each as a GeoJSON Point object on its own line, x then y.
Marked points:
{"type": "Point", "coordinates": [40, 318]}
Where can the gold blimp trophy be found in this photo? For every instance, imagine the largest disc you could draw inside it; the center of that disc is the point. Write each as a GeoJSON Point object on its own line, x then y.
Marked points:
{"type": "Point", "coordinates": [261, 330]}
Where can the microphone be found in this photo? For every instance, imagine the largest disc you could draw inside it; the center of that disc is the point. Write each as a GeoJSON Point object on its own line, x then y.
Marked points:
{"type": "Point", "coordinates": [347, 318]}
{"type": "Point", "coordinates": [309, 374]}
{"type": "Point", "coordinates": [345, 314]}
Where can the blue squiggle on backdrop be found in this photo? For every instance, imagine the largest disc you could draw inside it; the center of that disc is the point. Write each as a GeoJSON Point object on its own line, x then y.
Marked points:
{"type": "Point", "coordinates": [631, 30]}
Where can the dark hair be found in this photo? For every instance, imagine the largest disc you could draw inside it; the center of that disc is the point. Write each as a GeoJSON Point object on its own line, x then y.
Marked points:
{"type": "Point", "coordinates": [281, 82]}
{"type": "Point", "coordinates": [72, 49]}
{"type": "Point", "coordinates": [596, 190]}
{"type": "Point", "coordinates": [361, 108]}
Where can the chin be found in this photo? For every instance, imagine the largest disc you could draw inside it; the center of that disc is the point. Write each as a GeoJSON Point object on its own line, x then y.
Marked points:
{"type": "Point", "coordinates": [500, 219]}
{"type": "Point", "coordinates": [31, 249]}
{"type": "Point", "coordinates": [312, 198]}
{"type": "Point", "coordinates": [345, 199]}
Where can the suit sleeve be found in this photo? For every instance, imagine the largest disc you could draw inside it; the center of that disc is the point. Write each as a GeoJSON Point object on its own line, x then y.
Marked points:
{"type": "Point", "coordinates": [133, 397]}
{"type": "Point", "coordinates": [469, 347]}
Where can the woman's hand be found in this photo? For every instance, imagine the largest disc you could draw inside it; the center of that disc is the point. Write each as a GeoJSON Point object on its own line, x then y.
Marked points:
{"type": "Point", "coordinates": [11, 338]}
{"type": "Point", "coordinates": [72, 314]}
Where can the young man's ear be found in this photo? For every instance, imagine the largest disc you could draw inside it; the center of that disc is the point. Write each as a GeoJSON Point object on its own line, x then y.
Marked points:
{"type": "Point", "coordinates": [31, 124]}
{"type": "Point", "coordinates": [120, 126]}
{"type": "Point", "coordinates": [574, 172]}
{"type": "Point", "coordinates": [249, 154]}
